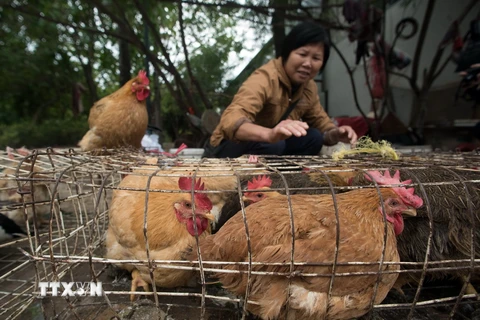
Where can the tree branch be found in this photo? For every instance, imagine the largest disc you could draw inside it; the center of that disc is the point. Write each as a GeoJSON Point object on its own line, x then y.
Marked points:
{"type": "Point", "coordinates": [442, 67]}
{"type": "Point", "coordinates": [419, 47]}
{"type": "Point", "coordinates": [171, 67]}
{"type": "Point", "coordinates": [352, 81]}
{"type": "Point", "coordinates": [205, 100]}
{"type": "Point", "coordinates": [401, 75]}
{"type": "Point", "coordinates": [139, 44]}
{"type": "Point", "coordinates": [438, 55]}
{"type": "Point", "coordinates": [374, 106]}
{"type": "Point", "coordinates": [267, 10]}
{"type": "Point", "coordinates": [27, 10]}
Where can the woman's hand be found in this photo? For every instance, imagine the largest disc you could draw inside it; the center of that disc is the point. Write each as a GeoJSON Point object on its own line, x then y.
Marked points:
{"type": "Point", "coordinates": [474, 82]}
{"type": "Point", "coordinates": [287, 128]}
{"type": "Point", "coordinates": [340, 134]}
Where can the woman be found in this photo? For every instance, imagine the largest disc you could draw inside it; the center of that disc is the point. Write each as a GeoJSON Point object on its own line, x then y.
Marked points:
{"type": "Point", "coordinates": [282, 88]}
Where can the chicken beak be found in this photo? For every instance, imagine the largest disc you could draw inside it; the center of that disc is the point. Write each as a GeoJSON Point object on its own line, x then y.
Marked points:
{"type": "Point", "coordinates": [410, 211]}
{"type": "Point", "coordinates": [147, 87]}
{"type": "Point", "coordinates": [246, 200]}
{"type": "Point", "coordinates": [209, 216]}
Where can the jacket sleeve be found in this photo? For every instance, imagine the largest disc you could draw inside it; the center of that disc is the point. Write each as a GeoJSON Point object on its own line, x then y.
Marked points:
{"type": "Point", "coordinates": [316, 116]}
{"type": "Point", "coordinates": [247, 103]}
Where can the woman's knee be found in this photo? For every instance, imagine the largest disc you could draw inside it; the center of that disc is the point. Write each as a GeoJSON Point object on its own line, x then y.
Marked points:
{"type": "Point", "coordinates": [315, 134]}
{"type": "Point", "coordinates": [316, 138]}
{"type": "Point", "coordinates": [277, 148]}
{"type": "Point", "coordinates": [269, 148]}
{"type": "Point", "coordinates": [310, 144]}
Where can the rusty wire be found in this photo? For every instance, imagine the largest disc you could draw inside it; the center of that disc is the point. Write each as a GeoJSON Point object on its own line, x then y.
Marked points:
{"type": "Point", "coordinates": [74, 241]}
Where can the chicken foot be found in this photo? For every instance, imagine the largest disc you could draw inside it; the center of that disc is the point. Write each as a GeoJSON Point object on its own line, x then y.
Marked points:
{"type": "Point", "coordinates": [138, 281]}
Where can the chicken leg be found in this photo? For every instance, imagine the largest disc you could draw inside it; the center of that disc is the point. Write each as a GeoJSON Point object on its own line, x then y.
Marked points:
{"type": "Point", "coordinates": [138, 281]}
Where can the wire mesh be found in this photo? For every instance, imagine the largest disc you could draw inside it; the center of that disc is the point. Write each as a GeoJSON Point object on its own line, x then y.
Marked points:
{"type": "Point", "coordinates": [66, 197]}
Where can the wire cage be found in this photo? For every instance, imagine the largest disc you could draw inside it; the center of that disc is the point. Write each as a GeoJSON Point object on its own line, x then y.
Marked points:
{"type": "Point", "coordinates": [62, 200]}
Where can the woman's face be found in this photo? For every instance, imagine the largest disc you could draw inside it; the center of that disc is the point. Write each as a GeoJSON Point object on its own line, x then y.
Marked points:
{"type": "Point", "coordinates": [304, 63]}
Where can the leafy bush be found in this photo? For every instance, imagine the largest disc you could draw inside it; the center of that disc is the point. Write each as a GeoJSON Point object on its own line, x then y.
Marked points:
{"type": "Point", "coordinates": [51, 133]}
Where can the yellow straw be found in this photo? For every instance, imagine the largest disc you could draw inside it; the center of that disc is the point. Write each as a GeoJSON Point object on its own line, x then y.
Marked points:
{"type": "Point", "coordinates": [366, 145]}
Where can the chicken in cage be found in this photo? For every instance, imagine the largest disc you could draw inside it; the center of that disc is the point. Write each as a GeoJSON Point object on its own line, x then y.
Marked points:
{"type": "Point", "coordinates": [130, 236]}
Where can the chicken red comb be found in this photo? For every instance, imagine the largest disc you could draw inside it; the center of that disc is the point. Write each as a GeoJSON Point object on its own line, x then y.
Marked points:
{"type": "Point", "coordinates": [201, 199]}
{"type": "Point", "coordinates": [142, 75]}
{"type": "Point", "coordinates": [21, 151]}
{"type": "Point", "coordinates": [253, 159]}
{"type": "Point", "coordinates": [10, 153]}
{"type": "Point", "coordinates": [260, 182]}
{"type": "Point", "coordinates": [185, 183]}
{"type": "Point", "coordinates": [408, 196]}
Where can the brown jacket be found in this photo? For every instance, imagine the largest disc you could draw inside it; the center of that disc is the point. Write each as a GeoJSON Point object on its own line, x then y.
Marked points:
{"type": "Point", "coordinates": [263, 99]}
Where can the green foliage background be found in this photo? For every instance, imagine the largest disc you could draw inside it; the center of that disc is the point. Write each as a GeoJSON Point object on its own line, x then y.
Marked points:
{"type": "Point", "coordinates": [46, 47]}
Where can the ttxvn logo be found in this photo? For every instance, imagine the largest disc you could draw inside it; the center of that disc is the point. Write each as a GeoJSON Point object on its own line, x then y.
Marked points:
{"type": "Point", "coordinates": [92, 289]}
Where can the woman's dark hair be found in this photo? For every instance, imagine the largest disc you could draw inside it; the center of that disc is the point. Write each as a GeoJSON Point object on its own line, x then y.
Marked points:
{"type": "Point", "coordinates": [303, 34]}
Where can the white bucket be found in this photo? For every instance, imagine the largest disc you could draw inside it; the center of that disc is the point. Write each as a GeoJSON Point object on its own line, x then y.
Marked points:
{"type": "Point", "coordinates": [189, 152]}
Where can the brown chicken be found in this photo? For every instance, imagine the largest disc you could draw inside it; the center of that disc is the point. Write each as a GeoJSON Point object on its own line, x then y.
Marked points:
{"type": "Point", "coordinates": [362, 233]}
{"type": "Point", "coordinates": [171, 226]}
{"type": "Point", "coordinates": [119, 119]}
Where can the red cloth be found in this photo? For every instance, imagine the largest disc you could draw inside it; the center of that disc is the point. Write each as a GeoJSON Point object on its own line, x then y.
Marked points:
{"type": "Point", "coordinates": [358, 124]}
{"type": "Point", "coordinates": [466, 147]}
{"type": "Point", "coordinates": [376, 76]}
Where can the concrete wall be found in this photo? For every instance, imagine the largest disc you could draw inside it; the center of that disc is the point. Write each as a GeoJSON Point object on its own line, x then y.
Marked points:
{"type": "Point", "coordinates": [337, 81]}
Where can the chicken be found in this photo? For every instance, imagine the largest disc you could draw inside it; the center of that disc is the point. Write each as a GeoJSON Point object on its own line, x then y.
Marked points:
{"type": "Point", "coordinates": [171, 226]}
{"type": "Point", "coordinates": [39, 195]}
{"type": "Point", "coordinates": [119, 119]}
{"type": "Point", "coordinates": [362, 234]}
{"type": "Point", "coordinates": [452, 223]}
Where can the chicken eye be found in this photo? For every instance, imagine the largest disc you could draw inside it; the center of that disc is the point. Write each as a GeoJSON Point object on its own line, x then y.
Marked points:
{"type": "Point", "coordinates": [260, 195]}
{"type": "Point", "coordinates": [394, 203]}
{"type": "Point", "coordinates": [187, 205]}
